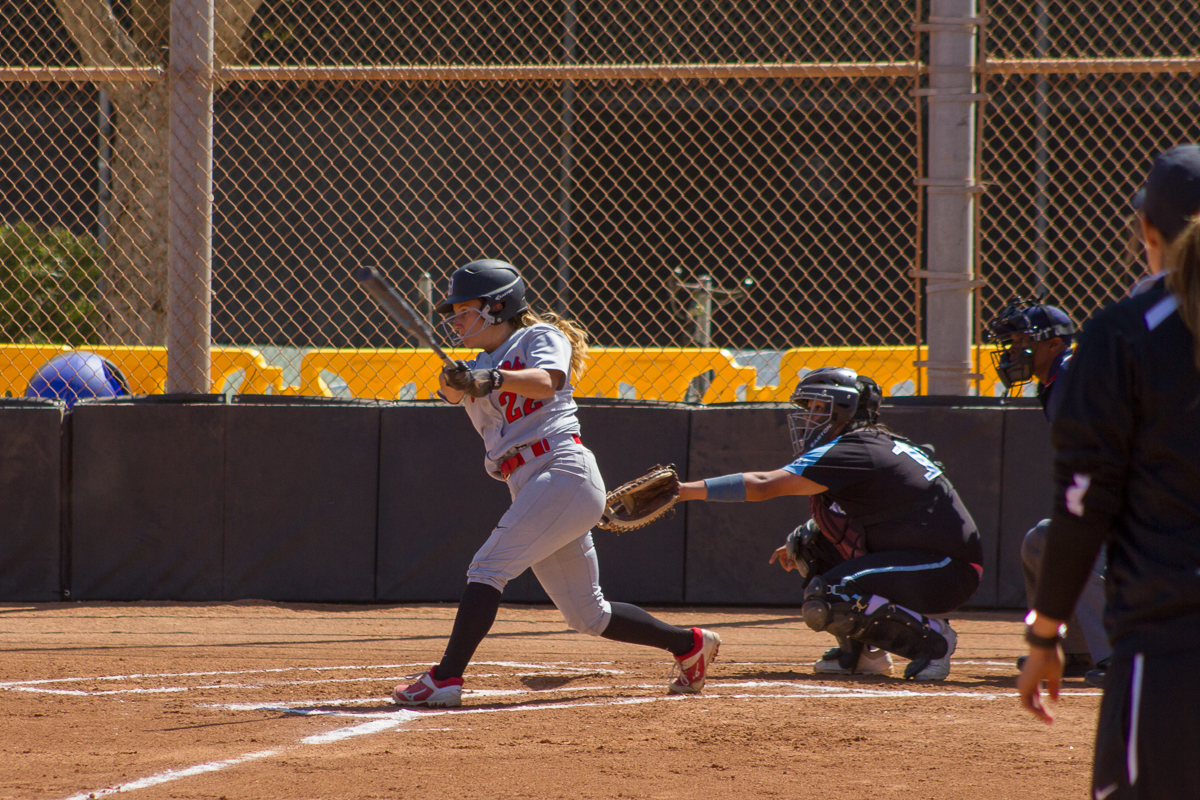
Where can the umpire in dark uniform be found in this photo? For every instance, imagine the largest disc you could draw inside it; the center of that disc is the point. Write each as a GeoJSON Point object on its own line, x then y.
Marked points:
{"type": "Point", "coordinates": [1127, 473]}
{"type": "Point", "coordinates": [1034, 342]}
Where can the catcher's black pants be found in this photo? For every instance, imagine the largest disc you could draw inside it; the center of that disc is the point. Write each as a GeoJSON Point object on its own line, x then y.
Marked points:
{"type": "Point", "coordinates": [921, 581]}
{"type": "Point", "coordinates": [1148, 739]}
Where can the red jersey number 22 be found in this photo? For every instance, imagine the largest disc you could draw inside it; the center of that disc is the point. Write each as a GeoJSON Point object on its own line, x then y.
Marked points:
{"type": "Point", "coordinates": [508, 400]}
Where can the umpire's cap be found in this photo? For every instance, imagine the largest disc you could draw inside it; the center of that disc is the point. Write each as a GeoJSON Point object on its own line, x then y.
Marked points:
{"type": "Point", "coordinates": [1036, 320]}
{"type": "Point", "coordinates": [1172, 191]}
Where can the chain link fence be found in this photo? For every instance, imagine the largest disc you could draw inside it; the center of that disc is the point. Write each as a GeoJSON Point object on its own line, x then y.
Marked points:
{"type": "Point", "coordinates": [724, 195]}
{"type": "Point", "coordinates": [1081, 97]}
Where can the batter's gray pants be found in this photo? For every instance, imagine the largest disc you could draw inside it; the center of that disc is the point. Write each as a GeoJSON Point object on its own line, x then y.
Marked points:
{"type": "Point", "coordinates": [557, 498]}
{"type": "Point", "coordinates": [1085, 629]}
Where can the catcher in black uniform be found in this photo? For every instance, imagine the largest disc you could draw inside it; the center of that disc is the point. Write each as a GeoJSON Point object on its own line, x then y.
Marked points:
{"type": "Point", "coordinates": [1127, 474]}
{"type": "Point", "coordinates": [890, 545]}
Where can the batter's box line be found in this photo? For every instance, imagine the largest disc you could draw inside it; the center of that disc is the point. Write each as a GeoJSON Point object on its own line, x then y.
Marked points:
{"type": "Point", "coordinates": [395, 719]}
{"type": "Point", "coordinates": [555, 668]}
{"type": "Point", "coordinates": [374, 726]}
{"type": "Point", "coordinates": [138, 676]}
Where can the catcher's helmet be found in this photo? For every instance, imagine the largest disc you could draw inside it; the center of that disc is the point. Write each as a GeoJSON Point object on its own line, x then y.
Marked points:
{"type": "Point", "coordinates": [1039, 322]}
{"type": "Point", "coordinates": [76, 375]}
{"type": "Point", "coordinates": [830, 398]}
{"type": "Point", "coordinates": [496, 283]}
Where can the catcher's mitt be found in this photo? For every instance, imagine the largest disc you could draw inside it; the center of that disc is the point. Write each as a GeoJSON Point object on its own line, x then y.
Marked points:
{"type": "Point", "coordinates": [642, 501]}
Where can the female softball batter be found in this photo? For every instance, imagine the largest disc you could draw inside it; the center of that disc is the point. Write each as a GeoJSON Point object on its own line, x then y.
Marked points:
{"type": "Point", "coordinates": [518, 394]}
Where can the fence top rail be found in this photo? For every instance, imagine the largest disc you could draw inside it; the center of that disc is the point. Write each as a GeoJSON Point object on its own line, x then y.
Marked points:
{"type": "Point", "coordinates": [1080, 66]}
{"type": "Point", "coordinates": [474, 73]}
{"type": "Point", "coordinates": [467, 73]}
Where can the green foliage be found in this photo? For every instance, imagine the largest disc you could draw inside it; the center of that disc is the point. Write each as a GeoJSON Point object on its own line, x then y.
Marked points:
{"type": "Point", "coordinates": [48, 281]}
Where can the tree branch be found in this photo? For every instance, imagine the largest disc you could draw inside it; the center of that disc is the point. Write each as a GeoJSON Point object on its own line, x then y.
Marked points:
{"type": "Point", "coordinates": [101, 40]}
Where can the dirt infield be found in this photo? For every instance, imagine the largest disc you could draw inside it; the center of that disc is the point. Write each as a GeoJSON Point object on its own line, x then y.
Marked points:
{"type": "Point", "coordinates": [256, 700]}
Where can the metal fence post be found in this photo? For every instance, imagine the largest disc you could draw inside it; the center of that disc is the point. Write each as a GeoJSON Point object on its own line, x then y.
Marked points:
{"type": "Point", "coordinates": [951, 193]}
{"type": "Point", "coordinates": [1041, 175]}
{"type": "Point", "coordinates": [567, 162]}
{"type": "Point", "coordinates": [189, 197]}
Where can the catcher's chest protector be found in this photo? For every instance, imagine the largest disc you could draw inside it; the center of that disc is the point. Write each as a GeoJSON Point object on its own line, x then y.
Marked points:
{"type": "Point", "coordinates": [848, 537]}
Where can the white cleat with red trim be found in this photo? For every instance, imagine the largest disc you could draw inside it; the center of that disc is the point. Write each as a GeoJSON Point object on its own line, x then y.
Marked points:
{"type": "Point", "coordinates": [692, 668]}
{"type": "Point", "coordinates": [429, 692]}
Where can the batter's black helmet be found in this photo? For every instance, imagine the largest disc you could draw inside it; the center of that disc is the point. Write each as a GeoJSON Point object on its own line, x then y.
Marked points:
{"type": "Point", "coordinates": [830, 398]}
{"type": "Point", "coordinates": [496, 283]}
{"type": "Point", "coordinates": [1040, 322]}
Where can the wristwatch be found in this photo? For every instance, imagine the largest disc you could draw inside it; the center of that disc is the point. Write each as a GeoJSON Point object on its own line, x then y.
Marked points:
{"type": "Point", "coordinates": [1046, 642]}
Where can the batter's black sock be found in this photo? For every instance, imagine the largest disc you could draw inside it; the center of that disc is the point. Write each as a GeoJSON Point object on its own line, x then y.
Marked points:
{"type": "Point", "coordinates": [476, 613]}
{"type": "Point", "coordinates": [632, 625]}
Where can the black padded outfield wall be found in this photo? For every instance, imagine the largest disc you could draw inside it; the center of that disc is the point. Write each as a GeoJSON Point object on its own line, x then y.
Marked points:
{"type": "Point", "coordinates": [1028, 495]}
{"type": "Point", "coordinates": [147, 489]}
{"type": "Point", "coordinates": [729, 544]}
{"type": "Point", "coordinates": [30, 496]}
{"type": "Point", "coordinates": [306, 500]}
{"type": "Point", "coordinates": [301, 492]}
{"type": "Point", "coordinates": [437, 505]}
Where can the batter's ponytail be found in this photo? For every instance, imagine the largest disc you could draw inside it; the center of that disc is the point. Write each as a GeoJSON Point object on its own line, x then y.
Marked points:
{"type": "Point", "coordinates": [1184, 279]}
{"type": "Point", "coordinates": [574, 332]}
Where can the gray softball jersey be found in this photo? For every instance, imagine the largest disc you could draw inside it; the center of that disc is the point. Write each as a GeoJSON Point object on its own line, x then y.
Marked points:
{"type": "Point", "coordinates": [507, 421]}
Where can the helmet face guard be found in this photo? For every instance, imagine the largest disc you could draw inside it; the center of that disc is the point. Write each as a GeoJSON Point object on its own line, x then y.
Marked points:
{"type": "Point", "coordinates": [1013, 365]}
{"type": "Point", "coordinates": [817, 421]}
{"type": "Point", "coordinates": [474, 319]}
{"type": "Point", "coordinates": [1035, 322]}
{"type": "Point", "coordinates": [829, 399]}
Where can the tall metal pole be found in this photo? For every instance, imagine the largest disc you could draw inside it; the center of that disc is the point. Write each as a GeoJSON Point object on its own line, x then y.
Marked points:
{"type": "Point", "coordinates": [566, 168]}
{"type": "Point", "coordinates": [951, 195]}
{"type": "Point", "coordinates": [104, 169]}
{"type": "Point", "coordinates": [189, 197]}
{"type": "Point", "coordinates": [425, 289]}
{"type": "Point", "coordinates": [1041, 177]}
{"type": "Point", "coordinates": [703, 309]}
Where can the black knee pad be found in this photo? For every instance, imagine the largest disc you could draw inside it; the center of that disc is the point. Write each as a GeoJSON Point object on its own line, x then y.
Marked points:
{"type": "Point", "coordinates": [816, 611]}
{"type": "Point", "coordinates": [825, 610]}
{"type": "Point", "coordinates": [888, 627]}
{"type": "Point", "coordinates": [897, 631]}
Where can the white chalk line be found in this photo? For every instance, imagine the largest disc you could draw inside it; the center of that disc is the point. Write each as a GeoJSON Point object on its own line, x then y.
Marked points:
{"type": "Point", "coordinates": [173, 775]}
{"type": "Point", "coordinates": [792, 690]}
{"type": "Point", "coordinates": [363, 729]}
{"type": "Point", "coordinates": [36, 686]}
{"type": "Point", "coordinates": [564, 667]}
{"type": "Point", "coordinates": [380, 722]}
{"type": "Point", "coordinates": [390, 720]}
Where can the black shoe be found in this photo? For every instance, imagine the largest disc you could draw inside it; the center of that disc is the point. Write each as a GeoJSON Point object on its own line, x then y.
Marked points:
{"type": "Point", "coordinates": [1077, 665]}
{"type": "Point", "coordinates": [1095, 676]}
{"type": "Point", "coordinates": [1021, 662]}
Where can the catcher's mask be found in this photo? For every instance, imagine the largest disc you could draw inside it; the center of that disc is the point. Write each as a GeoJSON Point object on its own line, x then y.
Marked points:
{"type": "Point", "coordinates": [496, 283]}
{"type": "Point", "coordinates": [829, 399]}
{"type": "Point", "coordinates": [1034, 322]}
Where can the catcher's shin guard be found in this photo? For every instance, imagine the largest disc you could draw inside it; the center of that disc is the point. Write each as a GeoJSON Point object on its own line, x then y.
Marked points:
{"type": "Point", "coordinates": [848, 651]}
{"type": "Point", "coordinates": [889, 627]}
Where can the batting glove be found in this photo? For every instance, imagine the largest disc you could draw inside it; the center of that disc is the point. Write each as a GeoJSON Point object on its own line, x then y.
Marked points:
{"type": "Point", "coordinates": [475, 382]}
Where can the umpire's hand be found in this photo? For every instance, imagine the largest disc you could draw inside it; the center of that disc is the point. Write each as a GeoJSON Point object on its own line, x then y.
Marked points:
{"type": "Point", "coordinates": [1043, 664]}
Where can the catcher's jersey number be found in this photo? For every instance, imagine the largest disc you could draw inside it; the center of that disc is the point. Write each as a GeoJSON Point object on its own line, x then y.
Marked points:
{"type": "Point", "coordinates": [508, 400]}
{"type": "Point", "coordinates": [916, 454]}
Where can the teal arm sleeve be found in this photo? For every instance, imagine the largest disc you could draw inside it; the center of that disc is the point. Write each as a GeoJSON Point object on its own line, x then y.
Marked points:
{"type": "Point", "coordinates": [727, 488]}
